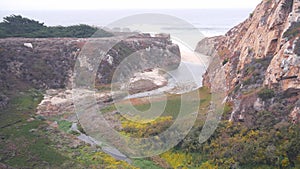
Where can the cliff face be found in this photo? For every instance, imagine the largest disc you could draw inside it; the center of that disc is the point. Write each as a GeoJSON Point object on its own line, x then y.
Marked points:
{"type": "Point", "coordinates": [49, 63]}
{"type": "Point", "coordinates": [40, 63]}
{"type": "Point", "coordinates": [138, 53]}
{"type": "Point", "coordinates": [262, 52]}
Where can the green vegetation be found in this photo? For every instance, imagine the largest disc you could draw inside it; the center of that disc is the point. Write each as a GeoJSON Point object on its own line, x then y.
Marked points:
{"type": "Point", "coordinates": [22, 145]}
{"type": "Point", "coordinates": [293, 31]}
{"type": "Point", "coordinates": [142, 163]}
{"type": "Point", "coordinates": [251, 15]}
{"type": "Point", "coordinates": [225, 61]}
{"type": "Point", "coordinates": [247, 81]}
{"type": "Point", "coordinates": [233, 145]}
{"type": "Point", "coordinates": [249, 70]}
{"type": "Point", "coordinates": [145, 129]}
{"type": "Point", "coordinates": [109, 108]}
{"type": "Point", "coordinates": [178, 159]}
{"type": "Point", "coordinates": [266, 94]}
{"type": "Point", "coordinates": [64, 125]}
{"type": "Point", "coordinates": [98, 159]}
{"type": "Point", "coordinates": [172, 108]}
{"type": "Point", "coordinates": [227, 108]}
{"type": "Point", "coordinates": [288, 4]}
{"type": "Point", "coordinates": [30, 144]}
{"type": "Point", "coordinates": [18, 26]}
{"type": "Point", "coordinates": [297, 47]}
{"type": "Point", "coordinates": [264, 62]}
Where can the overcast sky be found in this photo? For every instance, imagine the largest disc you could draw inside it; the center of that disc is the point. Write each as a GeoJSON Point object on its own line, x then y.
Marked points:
{"type": "Point", "coordinates": [122, 4]}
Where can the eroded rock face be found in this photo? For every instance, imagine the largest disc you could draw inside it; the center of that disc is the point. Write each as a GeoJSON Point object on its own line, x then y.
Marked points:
{"type": "Point", "coordinates": [147, 81]}
{"type": "Point", "coordinates": [61, 101]}
{"type": "Point", "coordinates": [259, 53]}
{"type": "Point", "coordinates": [259, 37]}
{"type": "Point", "coordinates": [49, 63]}
{"type": "Point", "coordinates": [136, 54]}
{"type": "Point", "coordinates": [284, 68]}
{"type": "Point", "coordinates": [56, 102]}
{"type": "Point", "coordinates": [258, 105]}
{"type": "Point", "coordinates": [295, 114]}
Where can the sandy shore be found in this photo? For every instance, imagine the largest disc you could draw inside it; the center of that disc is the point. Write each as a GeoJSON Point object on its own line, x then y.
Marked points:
{"type": "Point", "coordinates": [188, 55]}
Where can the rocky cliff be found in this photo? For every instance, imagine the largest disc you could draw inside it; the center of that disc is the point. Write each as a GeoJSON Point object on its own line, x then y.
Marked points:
{"type": "Point", "coordinates": [138, 53]}
{"type": "Point", "coordinates": [261, 61]}
{"type": "Point", "coordinates": [48, 63]}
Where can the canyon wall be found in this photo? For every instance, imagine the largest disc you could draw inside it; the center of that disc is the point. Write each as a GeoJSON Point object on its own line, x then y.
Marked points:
{"type": "Point", "coordinates": [261, 61]}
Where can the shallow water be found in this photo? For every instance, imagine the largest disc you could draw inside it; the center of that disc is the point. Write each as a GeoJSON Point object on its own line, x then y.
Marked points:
{"type": "Point", "coordinates": [187, 77]}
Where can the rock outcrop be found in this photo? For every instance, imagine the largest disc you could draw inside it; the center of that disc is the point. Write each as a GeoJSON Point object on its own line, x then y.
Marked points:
{"type": "Point", "coordinates": [139, 53]}
{"type": "Point", "coordinates": [295, 114]}
{"type": "Point", "coordinates": [48, 63]}
{"type": "Point", "coordinates": [262, 52]}
{"type": "Point", "coordinates": [147, 81]}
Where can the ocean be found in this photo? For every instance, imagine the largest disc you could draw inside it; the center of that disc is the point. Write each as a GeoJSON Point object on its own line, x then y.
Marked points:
{"type": "Point", "coordinates": [210, 22]}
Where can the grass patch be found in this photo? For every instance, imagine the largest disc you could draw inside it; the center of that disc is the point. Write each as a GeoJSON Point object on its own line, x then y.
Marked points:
{"type": "Point", "coordinates": [22, 144]}
{"type": "Point", "coordinates": [64, 125]}
{"type": "Point", "coordinates": [45, 153]}
{"type": "Point", "coordinates": [98, 159]}
{"type": "Point", "coordinates": [142, 163]}
{"type": "Point", "coordinates": [227, 108]}
{"type": "Point", "coordinates": [108, 109]}
{"type": "Point", "coordinates": [200, 97]}
{"type": "Point", "coordinates": [266, 94]}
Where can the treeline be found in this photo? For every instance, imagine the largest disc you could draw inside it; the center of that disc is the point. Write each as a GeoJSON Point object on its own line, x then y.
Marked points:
{"type": "Point", "coordinates": [18, 26]}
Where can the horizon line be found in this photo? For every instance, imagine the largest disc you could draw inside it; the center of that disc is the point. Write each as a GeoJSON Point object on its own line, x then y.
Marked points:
{"type": "Point", "coordinates": [4, 10]}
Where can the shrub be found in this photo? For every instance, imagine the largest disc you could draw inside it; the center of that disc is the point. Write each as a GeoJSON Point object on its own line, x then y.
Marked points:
{"type": "Point", "coordinates": [249, 70]}
{"type": "Point", "coordinates": [74, 132]}
{"type": "Point", "coordinates": [143, 163]}
{"type": "Point", "coordinates": [177, 159]}
{"type": "Point", "coordinates": [247, 82]}
{"type": "Point", "coordinates": [225, 61]}
{"type": "Point", "coordinates": [18, 26]}
{"type": "Point", "coordinates": [64, 125]}
{"type": "Point", "coordinates": [266, 94]}
{"type": "Point", "coordinates": [144, 128]}
{"type": "Point", "coordinates": [208, 165]}
{"type": "Point", "coordinates": [251, 15]}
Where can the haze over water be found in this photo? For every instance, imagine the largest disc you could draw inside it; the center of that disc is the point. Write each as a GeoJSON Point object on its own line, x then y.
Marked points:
{"type": "Point", "coordinates": [210, 22]}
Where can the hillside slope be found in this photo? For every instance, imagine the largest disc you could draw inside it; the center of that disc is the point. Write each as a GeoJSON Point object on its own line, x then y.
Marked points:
{"type": "Point", "coordinates": [261, 62]}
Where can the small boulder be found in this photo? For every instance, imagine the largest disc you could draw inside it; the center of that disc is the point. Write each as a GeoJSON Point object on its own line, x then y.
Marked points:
{"type": "Point", "coordinates": [29, 45]}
